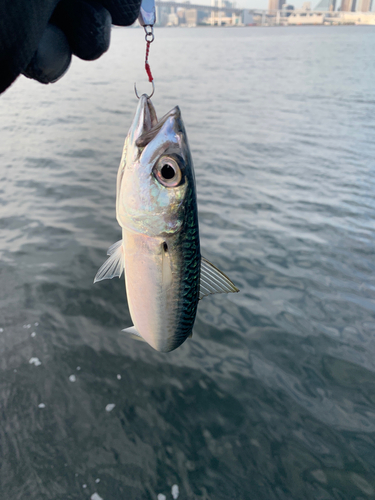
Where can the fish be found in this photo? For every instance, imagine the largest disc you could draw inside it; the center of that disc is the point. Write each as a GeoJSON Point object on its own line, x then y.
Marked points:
{"type": "Point", "coordinates": [159, 253]}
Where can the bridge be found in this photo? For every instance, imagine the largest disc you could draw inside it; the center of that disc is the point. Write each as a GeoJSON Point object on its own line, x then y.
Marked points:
{"type": "Point", "coordinates": [234, 10]}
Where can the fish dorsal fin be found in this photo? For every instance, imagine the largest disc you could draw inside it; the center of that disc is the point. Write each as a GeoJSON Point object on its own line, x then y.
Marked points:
{"type": "Point", "coordinates": [214, 281]}
{"type": "Point", "coordinates": [114, 265]}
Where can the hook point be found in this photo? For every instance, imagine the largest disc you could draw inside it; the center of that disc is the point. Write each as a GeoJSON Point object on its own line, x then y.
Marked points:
{"type": "Point", "coordinates": [148, 96]}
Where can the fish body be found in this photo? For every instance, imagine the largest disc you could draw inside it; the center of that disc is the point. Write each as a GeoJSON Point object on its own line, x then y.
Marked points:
{"type": "Point", "coordinates": [156, 207]}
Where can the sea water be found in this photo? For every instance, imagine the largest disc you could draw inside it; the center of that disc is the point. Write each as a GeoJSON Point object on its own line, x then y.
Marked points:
{"type": "Point", "coordinates": [274, 396]}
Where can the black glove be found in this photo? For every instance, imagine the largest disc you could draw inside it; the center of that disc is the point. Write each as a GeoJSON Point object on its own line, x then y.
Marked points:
{"type": "Point", "coordinates": [38, 37]}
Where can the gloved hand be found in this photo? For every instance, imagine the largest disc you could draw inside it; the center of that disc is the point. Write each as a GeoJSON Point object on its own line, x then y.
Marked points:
{"type": "Point", "coordinates": [38, 37]}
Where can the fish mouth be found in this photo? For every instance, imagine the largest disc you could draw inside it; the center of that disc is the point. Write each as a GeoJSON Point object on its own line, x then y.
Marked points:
{"type": "Point", "coordinates": [146, 126]}
{"type": "Point", "coordinates": [144, 119]}
{"type": "Point", "coordinates": [148, 135]}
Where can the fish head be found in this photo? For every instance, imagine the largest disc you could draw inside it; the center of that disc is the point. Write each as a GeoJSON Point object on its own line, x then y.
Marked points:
{"type": "Point", "coordinates": [155, 174]}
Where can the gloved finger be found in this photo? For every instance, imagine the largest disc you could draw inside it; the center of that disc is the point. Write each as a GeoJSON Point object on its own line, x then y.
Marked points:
{"type": "Point", "coordinates": [123, 12]}
{"type": "Point", "coordinates": [52, 57]}
{"type": "Point", "coordinates": [87, 26]}
{"type": "Point", "coordinates": [21, 26]}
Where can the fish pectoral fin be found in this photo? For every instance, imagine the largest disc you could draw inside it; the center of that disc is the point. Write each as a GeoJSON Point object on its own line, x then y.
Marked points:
{"type": "Point", "coordinates": [191, 334]}
{"type": "Point", "coordinates": [112, 249]}
{"type": "Point", "coordinates": [214, 281]}
{"type": "Point", "coordinates": [134, 333]}
{"type": "Point", "coordinates": [114, 265]}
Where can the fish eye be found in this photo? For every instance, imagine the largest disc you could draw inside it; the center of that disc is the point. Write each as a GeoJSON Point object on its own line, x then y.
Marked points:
{"type": "Point", "coordinates": [167, 172]}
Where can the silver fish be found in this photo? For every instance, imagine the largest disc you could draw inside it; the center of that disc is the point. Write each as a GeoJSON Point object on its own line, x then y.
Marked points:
{"type": "Point", "coordinates": [156, 206]}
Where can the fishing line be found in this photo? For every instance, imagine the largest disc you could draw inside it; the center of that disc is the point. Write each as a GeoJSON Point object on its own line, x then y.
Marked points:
{"type": "Point", "coordinates": [147, 18]}
{"type": "Point", "coordinates": [149, 39]}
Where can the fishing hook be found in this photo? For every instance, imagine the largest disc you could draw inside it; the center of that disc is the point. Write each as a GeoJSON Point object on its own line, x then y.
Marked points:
{"type": "Point", "coordinates": [148, 96]}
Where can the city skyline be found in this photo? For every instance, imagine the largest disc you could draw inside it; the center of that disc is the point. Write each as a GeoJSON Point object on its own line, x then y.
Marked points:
{"type": "Point", "coordinates": [263, 4]}
{"type": "Point", "coordinates": [225, 13]}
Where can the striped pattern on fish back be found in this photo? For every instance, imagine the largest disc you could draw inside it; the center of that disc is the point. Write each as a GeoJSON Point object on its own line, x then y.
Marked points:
{"type": "Point", "coordinates": [188, 244]}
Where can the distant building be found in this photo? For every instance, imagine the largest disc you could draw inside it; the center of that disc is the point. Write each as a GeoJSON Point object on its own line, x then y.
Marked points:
{"type": "Point", "coordinates": [275, 4]}
{"type": "Point", "coordinates": [247, 18]}
{"type": "Point", "coordinates": [173, 19]}
{"type": "Point", "coordinates": [220, 19]}
{"type": "Point", "coordinates": [310, 17]}
{"type": "Point", "coordinates": [162, 15]}
{"type": "Point", "coordinates": [363, 5]}
{"type": "Point", "coordinates": [357, 18]}
{"type": "Point", "coordinates": [287, 9]}
{"type": "Point", "coordinates": [220, 3]}
{"type": "Point", "coordinates": [348, 5]}
{"type": "Point", "coordinates": [306, 6]}
{"type": "Point", "coordinates": [181, 15]}
{"type": "Point", "coordinates": [202, 18]}
{"type": "Point", "coordinates": [191, 17]}
{"type": "Point", "coordinates": [326, 5]}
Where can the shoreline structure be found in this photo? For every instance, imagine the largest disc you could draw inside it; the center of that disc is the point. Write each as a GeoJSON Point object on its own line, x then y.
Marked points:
{"type": "Point", "coordinates": [226, 13]}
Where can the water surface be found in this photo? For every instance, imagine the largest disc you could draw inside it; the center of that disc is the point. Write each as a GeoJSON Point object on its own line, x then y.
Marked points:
{"type": "Point", "coordinates": [273, 397]}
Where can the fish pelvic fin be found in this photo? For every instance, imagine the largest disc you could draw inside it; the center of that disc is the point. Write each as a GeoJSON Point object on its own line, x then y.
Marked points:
{"type": "Point", "coordinates": [134, 333]}
{"type": "Point", "coordinates": [114, 265]}
{"type": "Point", "coordinates": [214, 281]}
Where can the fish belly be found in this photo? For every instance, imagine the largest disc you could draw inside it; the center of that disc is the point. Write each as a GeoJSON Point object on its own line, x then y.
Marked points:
{"type": "Point", "coordinates": [153, 287]}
